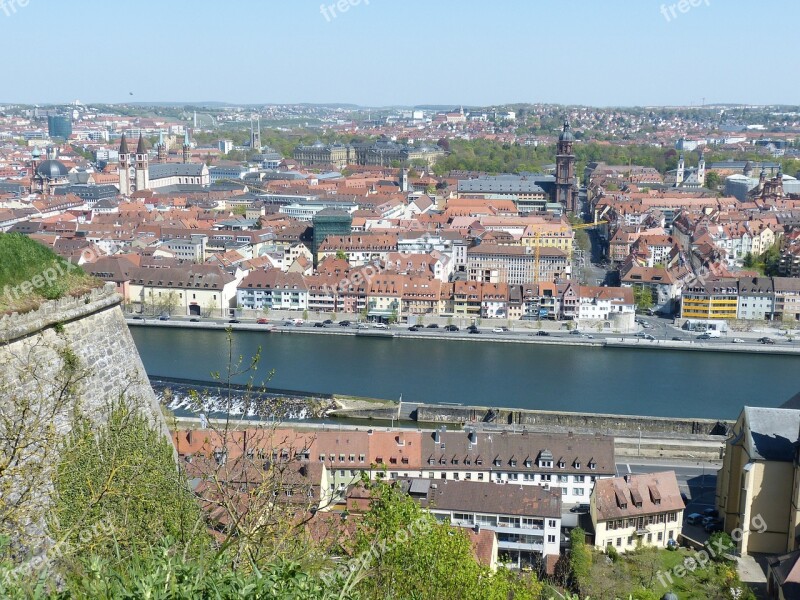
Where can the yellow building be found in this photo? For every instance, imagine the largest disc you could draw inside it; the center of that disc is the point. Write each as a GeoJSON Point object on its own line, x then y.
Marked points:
{"type": "Point", "coordinates": [710, 299]}
{"type": "Point", "coordinates": [549, 235]}
{"type": "Point", "coordinates": [636, 510]}
{"type": "Point", "coordinates": [758, 484]}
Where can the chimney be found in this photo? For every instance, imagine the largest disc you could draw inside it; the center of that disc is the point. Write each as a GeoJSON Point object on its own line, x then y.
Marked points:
{"type": "Point", "coordinates": [628, 478]}
{"type": "Point", "coordinates": [476, 528]}
{"type": "Point", "coordinates": [435, 436]}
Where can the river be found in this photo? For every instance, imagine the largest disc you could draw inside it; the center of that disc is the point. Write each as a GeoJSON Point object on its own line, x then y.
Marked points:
{"type": "Point", "coordinates": [584, 379]}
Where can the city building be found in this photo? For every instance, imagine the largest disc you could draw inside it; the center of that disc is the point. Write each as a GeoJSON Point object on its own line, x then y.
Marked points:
{"type": "Point", "coordinates": [636, 510]}
{"type": "Point", "coordinates": [516, 265]}
{"type": "Point", "coordinates": [566, 189]}
{"type": "Point", "coordinates": [526, 519]}
{"type": "Point", "coordinates": [711, 299]}
{"type": "Point", "coordinates": [59, 127]}
{"type": "Point", "coordinates": [329, 222]}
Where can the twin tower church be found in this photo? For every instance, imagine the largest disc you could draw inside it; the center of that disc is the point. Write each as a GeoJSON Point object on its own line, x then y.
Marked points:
{"type": "Point", "coordinates": [137, 174]}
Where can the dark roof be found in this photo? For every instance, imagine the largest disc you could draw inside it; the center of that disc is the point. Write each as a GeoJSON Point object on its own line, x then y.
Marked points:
{"type": "Point", "coordinates": [566, 134]}
{"type": "Point", "coordinates": [141, 148]}
{"type": "Point", "coordinates": [495, 498]}
{"type": "Point", "coordinates": [635, 495]}
{"type": "Point", "coordinates": [160, 170]}
{"type": "Point", "coordinates": [51, 169]}
{"type": "Point", "coordinates": [575, 452]}
{"type": "Point", "coordinates": [773, 432]}
{"type": "Point", "coordinates": [123, 145]}
{"type": "Point", "coordinates": [786, 572]}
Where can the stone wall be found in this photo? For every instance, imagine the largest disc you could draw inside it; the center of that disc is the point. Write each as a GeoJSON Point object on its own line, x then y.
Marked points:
{"type": "Point", "coordinates": [93, 327]}
{"type": "Point", "coordinates": [70, 356]}
{"type": "Point", "coordinates": [570, 421]}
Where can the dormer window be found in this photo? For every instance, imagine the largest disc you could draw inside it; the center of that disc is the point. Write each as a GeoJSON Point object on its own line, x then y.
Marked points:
{"type": "Point", "coordinates": [561, 464]}
{"type": "Point", "coordinates": [592, 465]}
{"type": "Point", "coordinates": [496, 462]}
{"type": "Point", "coordinates": [528, 463]}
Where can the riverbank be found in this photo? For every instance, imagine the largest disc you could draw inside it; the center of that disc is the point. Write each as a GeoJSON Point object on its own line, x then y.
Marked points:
{"type": "Point", "coordinates": [553, 339]}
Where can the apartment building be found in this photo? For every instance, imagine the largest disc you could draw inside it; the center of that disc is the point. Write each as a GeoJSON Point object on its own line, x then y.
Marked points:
{"type": "Point", "coordinates": [636, 510]}
{"type": "Point", "coordinates": [713, 298]}
{"type": "Point", "coordinates": [526, 519]}
{"type": "Point", "coordinates": [516, 265]}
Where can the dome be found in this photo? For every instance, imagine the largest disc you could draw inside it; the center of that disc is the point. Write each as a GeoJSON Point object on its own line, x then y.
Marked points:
{"type": "Point", "coordinates": [669, 596]}
{"type": "Point", "coordinates": [566, 135]}
{"type": "Point", "coordinates": [52, 169]}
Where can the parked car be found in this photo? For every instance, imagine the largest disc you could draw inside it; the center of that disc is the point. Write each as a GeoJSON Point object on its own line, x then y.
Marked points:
{"type": "Point", "coordinates": [711, 512]}
{"type": "Point", "coordinates": [163, 318]}
{"type": "Point", "coordinates": [579, 508]}
{"type": "Point", "coordinates": [471, 327]}
{"type": "Point", "coordinates": [363, 326]}
{"type": "Point", "coordinates": [344, 323]}
{"type": "Point", "coordinates": [587, 336]}
{"type": "Point", "coordinates": [327, 322]}
{"type": "Point", "coordinates": [380, 326]}
{"type": "Point", "coordinates": [451, 328]}
{"type": "Point", "coordinates": [288, 323]}
{"type": "Point", "coordinates": [234, 321]}
{"type": "Point", "coordinates": [646, 325]}
{"type": "Point", "coordinates": [766, 340]}
{"type": "Point", "coordinates": [647, 336]}
{"type": "Point", "coordinates": [694, 519]}
{"type": "Point", "coordinates": [575, 332]}
{"type": "Point", "coordinates": [319, 324]}
{"type": "Point", "coordinates": [738, 341]}
{"type": "Point", "coordinates": [475, 330]}
{"type": "Point", "coordinates": [712, 526]}
{"type": "Point", "coordinates": [677, 339]}
{"type": "Point", "coordinates": [414, 328]}
{"type": "Point", "coordinates": [543, 333]}
{"type": "Point", "coordinates": [704, 336]}
{"type": "Point", "coordinates": [138, 317]}
{"type": "Point", "coordinates": [433, 326]}
{"type": "Point", "coordinates": [499, 329]}
{"type": "Point", "coordinates": [194, 320]}
{"type": "Point", "coordinates": [262, 321]}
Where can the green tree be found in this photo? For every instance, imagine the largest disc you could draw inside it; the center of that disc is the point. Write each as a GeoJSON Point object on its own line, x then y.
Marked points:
{"type": "Point", "coordinates": [643, 297]}
{"type": "Point", "coordinates": [404, 552]}
{"type": "Point", "coordinates": [341, 254]}
{"type": "Point", "coordinates": [580, 559]}
{"type": "Point", "coordinates": [713, 180]}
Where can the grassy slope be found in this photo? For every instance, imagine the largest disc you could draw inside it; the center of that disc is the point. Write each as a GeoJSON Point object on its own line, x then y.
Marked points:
{"type": "Point", "coordinates": [22, 261]}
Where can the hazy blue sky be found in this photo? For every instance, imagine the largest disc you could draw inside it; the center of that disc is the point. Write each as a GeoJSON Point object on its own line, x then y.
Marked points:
{"type": "Point", "coordinates": [610, 52]}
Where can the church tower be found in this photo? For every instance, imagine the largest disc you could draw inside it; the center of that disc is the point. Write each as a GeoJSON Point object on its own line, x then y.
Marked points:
{"type": "Point", "coordinates": [403, 180]}
{"type": "Point", "coordinates": [142, 166]}
{"type": "Point", "coordinates": [124, 168]}
{"type": "Point", "coordinates": [36, 156]}
{"type": "Point", "coordinates": [565, 170]}
{"type": "Point", "coordinates": [679, 174]}
{"type": "Point", "coordinates": [255, 136]}
{"type": "Point", "coordinates": [161, 148]}
{"type": "Point", "coordinates": [701, 170]}
{"type": "Point", "coordinates": [186, 146]}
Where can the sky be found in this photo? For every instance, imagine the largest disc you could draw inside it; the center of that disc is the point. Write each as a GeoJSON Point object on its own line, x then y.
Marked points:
{"type": "Point", "coordinates": [401, 52]}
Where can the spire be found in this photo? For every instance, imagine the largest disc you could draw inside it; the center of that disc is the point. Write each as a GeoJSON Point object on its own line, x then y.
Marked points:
{"type": "Point", "coordinates": [186, 141]}
{"type": "Point", "coordinates": [566, 125]}
{"type": "Point", "coordinates": [160, 138]}
{"type": "Point", "coordinates": [123, 145]}
{"type": "Point", "coordinates": [140, 147]}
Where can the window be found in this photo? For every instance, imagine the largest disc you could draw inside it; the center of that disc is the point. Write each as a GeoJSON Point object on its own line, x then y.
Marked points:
{"type": "Point", "coordinates": [563, 478]}
{"type": "Point", "coordinates": [528, 463]}
{"type": "Point", "coordinates": [513, 476]}
{"type": "Point", "coordinates": [660, 536]}
{"type": "Point", "coordinates": [551, 539]}
{"type": "Point", "coordinates": [564, 491]}
{"type": "Point", "coordinates": [352, 458]}
{"type": "Point", "coordinates": [341, 458]}
{"type": "Point", "coordinates": [619, 542]}
{"type": "Point", "coordinates": [649, 538]}
{"type": "Point", "coordinates": [513, 462]}
{"type": "Point", "coordinates": [321, 458]}
{"type": "Point", "coordinates": [496, 462]}
{"type": "Point", "coordinates": [630, 540]}
{"type": "Point", "coordinates": [578, 491]}
{"type": "Point", "coordinates": [332, 457]}
{"type": "Point", "coordinates": [546, 477]}
{"type": "Point", "coordinates": [670, 534]}
{"type": "Point", "coordinates": [592, 465]}
{"type": "Point", "coordinates": [561, 464]}
{"type": "Point", "coordinates": [480, 476]}
{"type": "Point", "coordinates": [551, 523]}
{"type": "Point", "coordinates": [361, 458]}
{"type": "Point", "coordinates": [579, 478]}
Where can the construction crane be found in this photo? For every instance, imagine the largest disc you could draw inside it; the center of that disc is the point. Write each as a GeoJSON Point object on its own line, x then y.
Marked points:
{"type": "Point", "coordinates": [537, 243]}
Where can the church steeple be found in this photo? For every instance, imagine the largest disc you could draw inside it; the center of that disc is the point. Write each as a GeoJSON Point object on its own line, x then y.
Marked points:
{"type": "Point", "coordinates": [124, 168]}
{"type": "Point", "coordinates": [161, 148]}
{"type": "Point", "coordinates": [142, 166]}
{"type": "Point", "coordinates": [566, 192]}
{"type": "Point", "coordinates": [186, 146]}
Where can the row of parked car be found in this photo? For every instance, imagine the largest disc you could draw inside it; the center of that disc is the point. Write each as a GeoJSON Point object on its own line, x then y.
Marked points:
{"type": "Point", "coordinates": [709, 520]}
